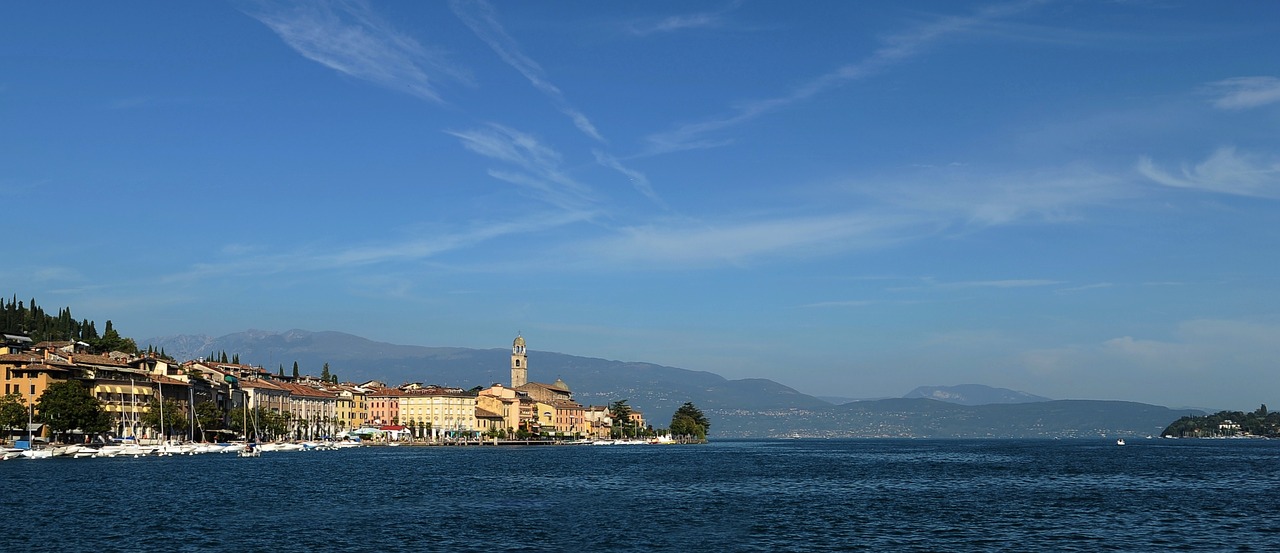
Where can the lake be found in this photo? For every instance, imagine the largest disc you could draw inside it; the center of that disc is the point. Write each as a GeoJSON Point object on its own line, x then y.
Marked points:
{"type": "Point", "coordinates": [748, 495]}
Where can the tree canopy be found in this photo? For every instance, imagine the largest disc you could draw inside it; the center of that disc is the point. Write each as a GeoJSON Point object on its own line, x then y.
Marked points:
{"type": "Point", "coordinates": [13, 412]}
{"type": "Point", "coordinates": [1227, 423]}
{"type": "Point", "coordinates": [688, 420]}
{"type": "Point", "coordinates": [620, 412]}
{"type": "Point", "coordinates": [67, 406]}
{"type": "Point", "coordinates": [174, 419]}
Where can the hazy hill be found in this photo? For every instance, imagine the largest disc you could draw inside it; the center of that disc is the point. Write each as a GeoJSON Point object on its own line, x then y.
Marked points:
{"type": "Point", "coordinates": [928, 418]}
{"type": "Point", "coordinates": [653, 389]}
{"type": "Point", "coordinates": [737, 408]}
{"type": "Point", "coordinates": [973, 394]}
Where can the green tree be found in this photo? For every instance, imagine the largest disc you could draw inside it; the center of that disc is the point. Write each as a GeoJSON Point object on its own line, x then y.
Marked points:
{"type": "Point", "coordinates": [13, 412]}
{"type": "Point", "coordinates": [208, 417]}
{"type": "Point", "coordinates": [620, 412]}
{"type": "Point", "coordinates": [295, 369]}
{"type": "Point", "coordinates": [324, 373]}
{"type": "Point", "coordinates": [112, 341]}
{"type": "Point", "coordinates": [67, 406]}
{"type": "Point", "coordinates": [174, 419]}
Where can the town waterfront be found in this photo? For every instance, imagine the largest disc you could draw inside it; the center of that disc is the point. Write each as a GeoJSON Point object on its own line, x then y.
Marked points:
{"type": "Point", "coordinates": [767, 495]}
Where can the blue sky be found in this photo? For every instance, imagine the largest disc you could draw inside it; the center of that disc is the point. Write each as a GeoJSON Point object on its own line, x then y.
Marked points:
{"type": "Point", "coordinates": [1074, 199]}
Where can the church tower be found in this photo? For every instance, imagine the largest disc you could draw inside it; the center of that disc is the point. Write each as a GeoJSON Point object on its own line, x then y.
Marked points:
{"type": "Point", "coordinates": [519, 363]}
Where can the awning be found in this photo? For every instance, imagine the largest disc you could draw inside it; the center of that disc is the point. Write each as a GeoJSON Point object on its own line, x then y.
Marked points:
{"type": "Point", "coordinates": [34, 426]}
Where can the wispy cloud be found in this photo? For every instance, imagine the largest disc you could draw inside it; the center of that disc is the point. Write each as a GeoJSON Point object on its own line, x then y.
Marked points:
{"type": "Point", "coordinates": [959, 194]}
{"type": "Point", "coordinates": [637, 179]}
{"type": "Point", "coordinates": [1225, 172]}
{"type": "Point", "coordinates": [539, 165]}
{"type": "Point", "coordinates": [1009, 283]}
{"type": "Point", "coordinates": [349, 38]}
{"type": "Point", "coordinates": [684, 243]}
{"type": "Point", "coordinates": [479, 16]}
{"type": "Point", "coordinates": [359, 255]}
{"type": "Point", "coordinates": [1094, 286]}
{"type": "Point", "coordinates": [1245, 92]}
{"type": "Point", "coordinates": [481, 19]}
{"type": "Point", "coordinates": [845, 303]}
{"type": "Point", "coordinates": [703, 20]}
{"type": "Point", "coordinates": [895, 49]}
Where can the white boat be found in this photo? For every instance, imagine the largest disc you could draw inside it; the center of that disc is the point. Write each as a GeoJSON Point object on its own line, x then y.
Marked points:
{"type": "Point", "coordinates": [10, 453]}
{"type": "Point", "coordinates": [38, 453]}
{"type": "Point", "coordinates": [1120, 441]}
{"type": "Point", "coordinates": [249, 450]}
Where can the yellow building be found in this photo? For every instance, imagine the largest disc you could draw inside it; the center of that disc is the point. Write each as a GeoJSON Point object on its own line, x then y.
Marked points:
{"type": "Point", "coordinates": [450, 412]}
{"type": "Point", "coordinates": [500, 400]}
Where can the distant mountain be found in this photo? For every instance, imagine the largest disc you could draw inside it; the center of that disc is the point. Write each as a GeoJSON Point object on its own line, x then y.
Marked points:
{"type": "Point", "coordinates": [655, 390]}
{"type": "Point", "coordinates": [973, 394]}
{"type": "Point", "coordinates": [737, 408]}
{"type": "Point", "coordinates": [928, 418]}
{"type": "Point", "coordinates": [841, 400]}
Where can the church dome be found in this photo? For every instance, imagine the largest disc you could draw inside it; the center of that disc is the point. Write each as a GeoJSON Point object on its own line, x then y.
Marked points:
{"type": "Point", "coordinates": [560, 384]}
{"type": "Point", "coordinates": [519, 341]}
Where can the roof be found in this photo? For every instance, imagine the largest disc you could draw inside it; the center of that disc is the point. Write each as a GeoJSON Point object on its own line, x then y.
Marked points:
{"type": "Point", "coordinates": [101, 360]}
{"type": "Point", "coordinates": [486, 414]}
{"type": "Point", "coordinates": [519, 341]}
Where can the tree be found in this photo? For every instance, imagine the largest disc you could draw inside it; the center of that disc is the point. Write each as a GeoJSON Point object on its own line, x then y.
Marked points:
{"type": "Point", "coordinates": [112, 341]}
{"type": "Point", "coordinates": [620, 412]}
{"type": "Point", "coordinates": [688, 420]}
{"type": "Point", "coordinates": [208, 417]}
{"type": "Point", "coordinates": [13, 412]}
{"type": "Point", "coordinates": [324, 373]}
{"type": "Point", "coordinates": [174, 417]}
{"type": "Point", "coordinates": [295, 369]}
{"type": "Point", "coordinates": [67, 406]}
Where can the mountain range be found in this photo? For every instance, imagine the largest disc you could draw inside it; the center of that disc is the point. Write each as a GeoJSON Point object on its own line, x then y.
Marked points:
{"type": "Point", "coordinates": [737, 408]}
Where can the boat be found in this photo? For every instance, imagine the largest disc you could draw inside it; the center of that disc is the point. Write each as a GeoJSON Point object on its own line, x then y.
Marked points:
{"type": "Point", "coordinates": [1120, 441]}
{"type": "Point", "coordinates": [249, 450]}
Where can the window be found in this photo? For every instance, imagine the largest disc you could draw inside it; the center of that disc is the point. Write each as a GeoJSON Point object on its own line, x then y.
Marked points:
{"type": "Point", "coordinates": [33, 390]}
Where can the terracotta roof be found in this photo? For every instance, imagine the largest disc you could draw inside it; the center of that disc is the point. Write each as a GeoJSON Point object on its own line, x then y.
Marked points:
{"type": "Point", "coordinates": [166, 380]}
{"type": "Point", "coordinates": [87, 359]}
{"type": "Point", "coordinates": [19, 358]}
{"type": "Point", "coordinates": [485, 414]}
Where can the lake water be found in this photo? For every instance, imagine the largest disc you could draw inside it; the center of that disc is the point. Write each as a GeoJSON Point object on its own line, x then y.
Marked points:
{"type": "Point", "coordinates": [778, 495]}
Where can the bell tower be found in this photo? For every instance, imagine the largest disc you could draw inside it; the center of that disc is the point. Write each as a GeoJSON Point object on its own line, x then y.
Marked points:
{"type": "Point", "coordinates": [519, 363]}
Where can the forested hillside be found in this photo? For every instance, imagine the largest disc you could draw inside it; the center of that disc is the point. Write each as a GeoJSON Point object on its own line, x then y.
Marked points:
{"type": "Point", "coordinates": [28, 318]}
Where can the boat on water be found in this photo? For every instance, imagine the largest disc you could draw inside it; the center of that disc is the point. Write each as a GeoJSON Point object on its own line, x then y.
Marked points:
{"type": "Point", "coordinates": [1120, 441]}
{"type": "Point", "coordinates": [249, 450]}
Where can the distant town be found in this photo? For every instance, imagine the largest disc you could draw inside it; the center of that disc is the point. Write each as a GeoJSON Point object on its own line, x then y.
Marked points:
{"type": "Point", "coordinates": [151, 398]}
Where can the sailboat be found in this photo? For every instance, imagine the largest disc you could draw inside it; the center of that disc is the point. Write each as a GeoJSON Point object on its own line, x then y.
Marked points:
{"type": "Point", "coordinates": [250, 449]}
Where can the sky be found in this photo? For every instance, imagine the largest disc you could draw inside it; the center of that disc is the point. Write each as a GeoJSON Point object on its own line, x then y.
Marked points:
{"type": "Point", "coordinates": [1072, 199]}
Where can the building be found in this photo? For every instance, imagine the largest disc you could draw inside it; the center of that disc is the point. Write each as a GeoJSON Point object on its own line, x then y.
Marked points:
{"type": "Point", "coordinates": [502, 401]}
{"type": "Point", "coordinates": [447, 412]}
{"type": "Point", "coordinates": [384, 406]}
